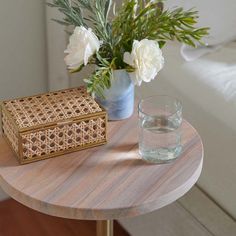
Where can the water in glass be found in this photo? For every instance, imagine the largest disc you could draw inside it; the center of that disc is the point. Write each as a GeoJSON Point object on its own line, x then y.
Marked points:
{"type": "Point", "coordinates": [160, 136]}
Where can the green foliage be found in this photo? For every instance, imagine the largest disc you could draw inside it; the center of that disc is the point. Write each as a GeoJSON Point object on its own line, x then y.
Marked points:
{"type": "Point", "coordinates": [101, 78]}
{"type": "Point", "coordinates": [73, 14]}
{"type": "Point", "coordinates": [97, 12]}
{"type": "Point", "coordinates": [149, 20]}
{"type": "Point", "coordinates": [135, 20]}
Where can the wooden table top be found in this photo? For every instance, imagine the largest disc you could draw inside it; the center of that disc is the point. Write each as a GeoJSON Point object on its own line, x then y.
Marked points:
{"type": "Point", "coordinates": [106, 182]}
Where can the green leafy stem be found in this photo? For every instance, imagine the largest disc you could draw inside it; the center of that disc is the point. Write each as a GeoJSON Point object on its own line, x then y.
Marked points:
{"type": "Point", "coordinates": [134, 20]}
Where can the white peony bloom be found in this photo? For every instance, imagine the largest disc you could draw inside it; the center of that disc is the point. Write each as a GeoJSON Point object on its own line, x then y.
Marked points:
{"type": "Point", "coordinates": [146, 57]}
{"type": "Point", "coordinates": [83, 44]}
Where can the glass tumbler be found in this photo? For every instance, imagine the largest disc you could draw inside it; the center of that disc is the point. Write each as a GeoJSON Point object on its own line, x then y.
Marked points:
{"type": "Point", "coordinates": [160, 118]}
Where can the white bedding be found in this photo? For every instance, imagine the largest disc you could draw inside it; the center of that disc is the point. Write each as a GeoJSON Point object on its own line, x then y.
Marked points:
{"type": "Point", "coordinates": [210, 80]}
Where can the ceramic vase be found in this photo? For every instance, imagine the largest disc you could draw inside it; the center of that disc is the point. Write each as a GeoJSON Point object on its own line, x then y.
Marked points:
{"type": "Point", "coordinates": [119, 98]}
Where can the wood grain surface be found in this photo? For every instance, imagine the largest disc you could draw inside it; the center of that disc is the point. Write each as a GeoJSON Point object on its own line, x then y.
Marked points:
{"type": "Point", "coordinates": [107, 182]}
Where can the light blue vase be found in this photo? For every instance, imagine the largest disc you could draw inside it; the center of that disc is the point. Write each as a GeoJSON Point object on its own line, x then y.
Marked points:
{"type": "Point", "coordinates": [119, 101]}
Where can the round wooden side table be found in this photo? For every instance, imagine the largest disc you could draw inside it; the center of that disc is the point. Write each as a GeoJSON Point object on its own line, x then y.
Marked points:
{"type": "Point", "coordinates": [103, 183]}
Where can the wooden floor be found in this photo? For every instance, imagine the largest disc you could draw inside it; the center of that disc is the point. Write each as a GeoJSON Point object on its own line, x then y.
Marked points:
{"type": "Point", "coordinates": [18, 220]}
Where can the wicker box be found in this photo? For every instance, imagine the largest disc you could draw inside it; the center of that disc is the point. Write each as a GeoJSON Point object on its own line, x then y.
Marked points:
{"type": "Point", "coordinates": [52, 124]}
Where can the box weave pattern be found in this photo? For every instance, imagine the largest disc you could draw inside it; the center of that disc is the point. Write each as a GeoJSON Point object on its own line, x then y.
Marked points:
{"type": "Point", "coordinates": [51, 124]}
{"type": "Point", "coordinates": [51, 107]}
{"type": "Point", "coordinates": [63, 137]}
{"type": "Point", "coordinates": [10, 132]}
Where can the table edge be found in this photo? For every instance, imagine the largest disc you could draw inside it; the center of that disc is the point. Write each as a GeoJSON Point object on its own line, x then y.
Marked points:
{"type": "Point", "coordinates": [93, 214]}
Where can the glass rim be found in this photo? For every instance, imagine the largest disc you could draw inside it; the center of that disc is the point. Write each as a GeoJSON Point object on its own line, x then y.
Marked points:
{"type": "Point", "coordinates": [162, 95]}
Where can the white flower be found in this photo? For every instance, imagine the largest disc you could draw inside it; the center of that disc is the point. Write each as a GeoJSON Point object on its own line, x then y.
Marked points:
{"type": "Point", "coordinates": [83, 44]}
{"type": "Point", "coordinates": [147, 60]}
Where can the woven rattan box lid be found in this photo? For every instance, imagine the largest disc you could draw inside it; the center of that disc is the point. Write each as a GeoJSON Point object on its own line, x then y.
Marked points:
{"type": "Point", "coordinates": [51, 108]}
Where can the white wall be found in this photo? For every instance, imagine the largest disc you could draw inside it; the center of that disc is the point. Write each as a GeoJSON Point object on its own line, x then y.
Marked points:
{"type": "Point", "coordinates": [58, 77]}
{"type": "Point", "coordinates": [22, 48]}
{"type": "Point", "coordinates": [23, 61]}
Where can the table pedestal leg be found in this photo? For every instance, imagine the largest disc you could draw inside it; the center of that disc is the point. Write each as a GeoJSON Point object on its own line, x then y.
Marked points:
{"type": "Point", "coordinates": [105, 228]}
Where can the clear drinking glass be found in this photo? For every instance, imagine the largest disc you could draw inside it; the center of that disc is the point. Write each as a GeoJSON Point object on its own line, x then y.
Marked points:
{"type": "Point", "coordinates": [160, 118]}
